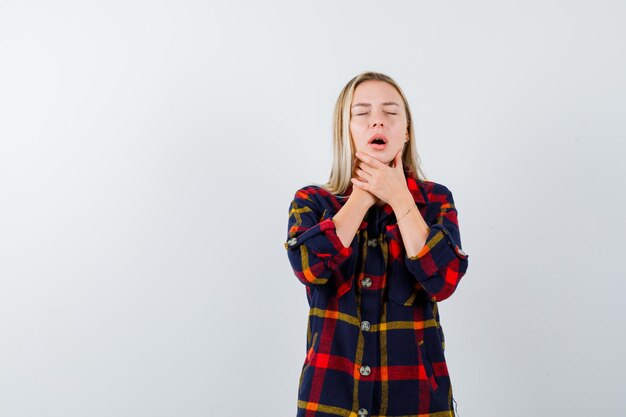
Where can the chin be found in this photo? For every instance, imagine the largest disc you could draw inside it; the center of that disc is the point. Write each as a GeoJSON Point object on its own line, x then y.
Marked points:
{"type": "Point", "coordinates": [383, 157]}
{"type": "Point", "coordinates": [385, 160]}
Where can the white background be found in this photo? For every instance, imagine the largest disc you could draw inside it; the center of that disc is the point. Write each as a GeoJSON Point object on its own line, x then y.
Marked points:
{"type": "Point", "coordinates": [149, 151]}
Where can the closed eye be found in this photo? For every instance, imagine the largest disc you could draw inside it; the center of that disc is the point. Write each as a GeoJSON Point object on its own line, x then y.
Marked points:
{"type": "Point", "coordinates": [363, 114]}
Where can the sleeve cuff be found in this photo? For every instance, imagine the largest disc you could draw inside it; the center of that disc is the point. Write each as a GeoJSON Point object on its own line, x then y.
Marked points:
{"type": "Point", "coordinates": [438, 251]}
{"type": "Point", "coordinates": [323, 241]}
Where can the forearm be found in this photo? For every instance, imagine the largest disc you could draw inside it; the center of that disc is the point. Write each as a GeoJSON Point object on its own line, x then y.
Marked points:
{"type": "Point", "coordinates": [413, 228]}
{"type": "Point", "coordinates": [349, 218]}
{"type": "Point", "coordinates": [433, 250]}
{"type": "Point", "coordinates": [313, 246]}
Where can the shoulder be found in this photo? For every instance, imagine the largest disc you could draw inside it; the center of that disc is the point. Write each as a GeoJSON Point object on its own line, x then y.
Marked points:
{"type": "Point", "coordinates": [317, 195]}
{"type": "Point", "coordinates": [311, 190]}
{"type": "Point", "coordinates": [436, 192]}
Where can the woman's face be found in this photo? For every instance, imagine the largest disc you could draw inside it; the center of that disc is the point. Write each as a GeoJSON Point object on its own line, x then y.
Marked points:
{"type": "Point", "coordinates": [378, 122]}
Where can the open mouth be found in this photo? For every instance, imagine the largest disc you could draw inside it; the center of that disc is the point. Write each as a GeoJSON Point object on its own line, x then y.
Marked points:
{"type": "Point", "coordinates": [378, 141]}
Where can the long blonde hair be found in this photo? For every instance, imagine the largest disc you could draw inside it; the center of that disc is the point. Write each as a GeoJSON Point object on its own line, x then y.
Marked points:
{"type": "Point", "coordinates": [343, 148]}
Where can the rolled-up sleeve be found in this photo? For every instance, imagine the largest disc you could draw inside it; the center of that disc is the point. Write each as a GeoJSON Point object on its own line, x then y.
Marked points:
{"type": "Point", "coordinates": [441, 263]}
{"type": "Point", "coordinates": [313, 247]}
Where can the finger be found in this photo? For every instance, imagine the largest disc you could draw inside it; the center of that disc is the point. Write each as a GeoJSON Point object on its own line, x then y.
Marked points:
{"type": "Point", "coordinates": [363, 174]}
{"type": "Point", "coordinates": [367, 168]}
{"type": "Point", "coordinates": [360, 178]}
{"type": "Point", "coordinates": [358, 183]}
{"type": "Point", "coordinates": [370, 160]}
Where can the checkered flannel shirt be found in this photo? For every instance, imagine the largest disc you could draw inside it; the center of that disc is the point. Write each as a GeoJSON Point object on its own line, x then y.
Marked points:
{"type": "Point", "coordinates": [375, 346]}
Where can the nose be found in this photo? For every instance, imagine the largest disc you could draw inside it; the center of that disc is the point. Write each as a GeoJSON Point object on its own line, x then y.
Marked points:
{"type": "Point", "coordinates": [377, 119]}
{"type": "Point", "coordinates": [376, 122]}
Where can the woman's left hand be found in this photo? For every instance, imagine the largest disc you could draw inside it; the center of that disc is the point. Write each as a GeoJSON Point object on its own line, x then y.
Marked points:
{"type": "Point", "coordinates": [388, 183]}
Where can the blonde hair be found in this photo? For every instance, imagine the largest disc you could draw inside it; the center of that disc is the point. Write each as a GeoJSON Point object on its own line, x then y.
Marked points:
{"type": "Point", "coordinates": [343, 148]}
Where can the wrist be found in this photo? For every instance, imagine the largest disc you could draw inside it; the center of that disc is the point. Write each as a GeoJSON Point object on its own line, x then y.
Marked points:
{"type": "Point", "coordinates": [401, 203]}
{"type": "Point", "coordinates": [360, 200]}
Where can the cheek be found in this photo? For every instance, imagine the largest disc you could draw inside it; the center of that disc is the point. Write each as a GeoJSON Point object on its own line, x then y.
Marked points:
{"type": "Point", "coordinates": [354, 131]}
{"type": "Point", "coordinates": [400, 123]}
{"type": "Point", "coordinates": [355, 127]}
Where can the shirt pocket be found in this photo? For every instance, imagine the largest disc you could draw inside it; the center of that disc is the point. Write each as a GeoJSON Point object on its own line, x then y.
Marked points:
{"type": "Point", "coordinates": [424, 359]}
{"type": "Point", "coordinates": [404, 289]}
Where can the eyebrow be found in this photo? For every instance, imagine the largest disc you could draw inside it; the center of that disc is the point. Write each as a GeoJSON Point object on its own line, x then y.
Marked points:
{"type": "Point", "coordinates": [387, 103]}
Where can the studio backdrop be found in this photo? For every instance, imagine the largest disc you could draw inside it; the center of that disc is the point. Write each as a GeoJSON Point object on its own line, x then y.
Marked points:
{"type": "Point", "coordinates": [149, 152]}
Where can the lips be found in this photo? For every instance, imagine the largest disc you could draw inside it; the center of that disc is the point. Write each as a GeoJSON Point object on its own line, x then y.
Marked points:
{"type": "Point", "coordinates": [378, 141]}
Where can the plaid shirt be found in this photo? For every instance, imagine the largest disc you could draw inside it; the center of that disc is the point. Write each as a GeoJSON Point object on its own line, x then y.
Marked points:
{"type": "Point", "coordinates": [375, 346]}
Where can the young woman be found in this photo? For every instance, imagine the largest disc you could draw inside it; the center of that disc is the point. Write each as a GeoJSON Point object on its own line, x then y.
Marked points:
{"type": "Point", "coordinates": [376, 247]}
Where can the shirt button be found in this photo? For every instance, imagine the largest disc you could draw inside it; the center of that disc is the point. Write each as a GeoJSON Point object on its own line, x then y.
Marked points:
{"type": "Point", "coordinates": [366, 282]}
{"type": "Point", "coordinates": [365, 370]}
{"type": "Point", "coordinates": [362, 412]}
{"type": "Point", "coordinates": [365, 325]}
{"type": "Point", "coordinates": [372, 243]}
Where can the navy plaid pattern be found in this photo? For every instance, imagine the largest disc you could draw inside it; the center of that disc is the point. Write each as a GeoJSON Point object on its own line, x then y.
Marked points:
{"type": "Point", "coordinates": [375, 346]}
